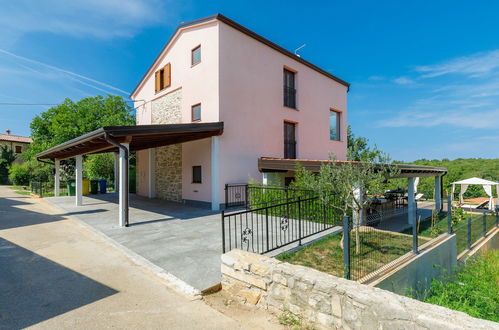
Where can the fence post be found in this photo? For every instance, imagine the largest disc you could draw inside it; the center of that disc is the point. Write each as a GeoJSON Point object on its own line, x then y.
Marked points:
{"type": "Point", "coordinates": [449, 214]}
{"type": "Point", "coordinates": [223, 228]}
{"type": "Point", "coordinates": [267, 226]}
{"type": "Point", "coordinates": [246, 197]}
{"type": "Point", "coordinates": [346, 247]}
{"type": "Point", "coordinates": [299, 220]}
{"type": "Point", "coordinates": [484, 224]}
{"type": "Point", "coordinates": [469, 233]}
{"type": "Point", "coordinates": [415, 236]}
{"type": "Point", "coordinates": [497, 216]}
{"type": "Point", "coordinates": [226, 195]}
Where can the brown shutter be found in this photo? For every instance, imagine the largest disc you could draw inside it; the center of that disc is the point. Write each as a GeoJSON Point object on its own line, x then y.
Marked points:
{"type": "Point", "coordinates": [167, 75]}
{"type": "Point", "coordinates": [156, 76]}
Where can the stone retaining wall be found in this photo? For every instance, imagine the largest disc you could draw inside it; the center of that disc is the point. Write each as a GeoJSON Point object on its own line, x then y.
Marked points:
{"type": "Point", "coordinates": [329, 301]}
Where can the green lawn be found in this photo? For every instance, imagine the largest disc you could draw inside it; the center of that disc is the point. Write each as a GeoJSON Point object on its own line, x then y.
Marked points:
{"type": "Point", "coordinates": [377, 249]}
{"type": "Point", "coordinates": [473, 290]}
{"type": "Point", "coordinates": [21, 190]}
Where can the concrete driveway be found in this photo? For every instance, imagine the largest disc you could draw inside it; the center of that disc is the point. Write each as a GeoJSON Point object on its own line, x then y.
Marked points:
{"type": "Point", "coordinates": [56, 274]}
{"type": "Point", "coordinates": [184, 241]}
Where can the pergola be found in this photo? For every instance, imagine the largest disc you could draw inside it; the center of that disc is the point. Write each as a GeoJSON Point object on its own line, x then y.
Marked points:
{"type": "Point", "coordinates": [123, 139]}
{"type": "Point", "coordinates": [486, 184]}
{"type": "Point", "coordinates": [411, 172]}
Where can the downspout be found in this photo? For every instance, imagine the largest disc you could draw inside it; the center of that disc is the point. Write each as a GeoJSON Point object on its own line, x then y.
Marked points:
{"type": "Point", "coordinates": [125, 152]}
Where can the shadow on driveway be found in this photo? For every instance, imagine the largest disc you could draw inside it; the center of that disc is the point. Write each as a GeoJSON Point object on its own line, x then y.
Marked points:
{"type": "Point", "coordinates": [35, 289]}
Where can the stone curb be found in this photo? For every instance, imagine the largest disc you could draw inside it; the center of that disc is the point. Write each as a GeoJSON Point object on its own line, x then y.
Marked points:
{"type": "Point", "coordinates": [172, 281]}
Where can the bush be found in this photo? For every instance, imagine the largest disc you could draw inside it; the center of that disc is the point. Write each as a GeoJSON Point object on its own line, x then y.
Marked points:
{"type": "Point", "coordinates": [19, 174]}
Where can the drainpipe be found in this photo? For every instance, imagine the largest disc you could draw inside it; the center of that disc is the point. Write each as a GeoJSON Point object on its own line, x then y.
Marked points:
{"type": "Point", "coordinates": [125, 186]}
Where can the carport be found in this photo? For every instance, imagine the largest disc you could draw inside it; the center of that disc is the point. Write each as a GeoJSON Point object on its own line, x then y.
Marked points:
{"type": "Point", "coordinates": [122, 140]}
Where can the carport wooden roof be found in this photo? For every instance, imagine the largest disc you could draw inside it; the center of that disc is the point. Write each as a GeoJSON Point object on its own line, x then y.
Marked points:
{"type": "Point", "coordinates": [267, 164]}
{"type": "Point", "coordinates": [139, 137]}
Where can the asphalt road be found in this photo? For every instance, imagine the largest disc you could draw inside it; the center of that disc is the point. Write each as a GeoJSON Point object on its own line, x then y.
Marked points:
{"type": "Point", "coordinates": [56, 274]}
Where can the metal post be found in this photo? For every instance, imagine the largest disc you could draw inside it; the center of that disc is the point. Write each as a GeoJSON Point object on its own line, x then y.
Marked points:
{"type": "Point", "coordinates": [415, 237]}
{"type": "Point", "coordinates": [226, 195]}
{"type": "Point", "coordinates": [484, 224]}
{"type": "Point", "coordinates": [346, 247]}
{"type": "Point", "coordinates": [497, 216]}
{"type": "Point", "coordinates": [223, 231]}
{"type": "Point", "coordinates": [299, 220]}
{"type": "Point", "coordinates": [469, 233]}
{"type": "Point", "coordinates": [246, 197]}
{"type": "Point", "coordinates": [267, 226]}
{"type": "Point", "coordinates": [449, 214]}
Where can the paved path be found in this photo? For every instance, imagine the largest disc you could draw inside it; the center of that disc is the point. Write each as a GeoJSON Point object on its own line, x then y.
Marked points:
{"type": "Point", "coordinates": [184, 241]}
{"type": "Point", "coordinates": [56, 274]}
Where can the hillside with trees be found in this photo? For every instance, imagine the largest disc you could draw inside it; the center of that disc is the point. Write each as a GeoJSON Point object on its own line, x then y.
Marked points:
{"type": "Point", "coordinates": [459, 169]}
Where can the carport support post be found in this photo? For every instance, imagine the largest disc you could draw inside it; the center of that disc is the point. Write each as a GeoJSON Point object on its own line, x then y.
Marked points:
{"type": "Point", "coordinates": [79, 180]}
{"type": "Point", "coordinates": [215, 174]}
{"type": "Point", "coordinates": [116, 171]}
{"type": "Point", "coordinates": [57, 178]}
{"type": "Point", "coordinates": [123, 185]}
{"type": "Point", "coordinates": [411, 214]}
{"type": "Point", "coordinates": [438, 193]}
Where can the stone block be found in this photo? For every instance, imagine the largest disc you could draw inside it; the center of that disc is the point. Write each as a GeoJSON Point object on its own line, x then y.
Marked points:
{"type": "Point", "coordinates": [228, 260]}
{"type": "Point", "coordinates": [278, 278]}
{"type": "Point", "coordinates": [243, 277]}
{"type": "Point", "coordinates": [260, 269]}
{"type": "Point", "coordinates": [336, 305]}
{"type": "Point", "coordinates": [251, 296]}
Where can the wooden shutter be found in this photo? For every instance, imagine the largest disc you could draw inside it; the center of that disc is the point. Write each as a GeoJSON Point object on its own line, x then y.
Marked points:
{"type": "Point", "coordinates": [157, 80]}
{"type": "Point", "coordinates": [167, 75]}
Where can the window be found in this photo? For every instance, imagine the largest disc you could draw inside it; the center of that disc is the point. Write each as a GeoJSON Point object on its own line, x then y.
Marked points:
{"type": "Point", "coordinates": [289, 141]}
{"type": "Point", "coordinates": [289, 89]}
{"type": "Point", "coordinates": [163, 78]}
{"type": "Point", "coordinates": [196, 112]}
{"type": "Point", "coordinates": [196, 174]}
{"type": "Point", "coordinates": [334, 125]}
{"type": "Point", "coordinates": [19, 149]}
{"type": "Point", "coordinates": [196, 55]}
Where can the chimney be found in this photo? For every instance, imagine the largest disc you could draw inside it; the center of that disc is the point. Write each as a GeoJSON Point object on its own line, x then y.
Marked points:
{"type": "Point", "coordinates": [8, 132]}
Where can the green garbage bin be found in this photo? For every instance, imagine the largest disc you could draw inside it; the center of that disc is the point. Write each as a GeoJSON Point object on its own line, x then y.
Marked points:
{"type": "Point", "coordinates": [94, 187]}
{"type": "Point", "coordinates": [71, 187]}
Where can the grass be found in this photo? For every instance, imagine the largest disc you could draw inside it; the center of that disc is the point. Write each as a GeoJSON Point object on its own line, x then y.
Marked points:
{"type": "Point", "coordinates": [377, 249]}
{"type": "Point", "coordinates": [21, 190]}
{"type": "Point", "coordinates": [473, 290]}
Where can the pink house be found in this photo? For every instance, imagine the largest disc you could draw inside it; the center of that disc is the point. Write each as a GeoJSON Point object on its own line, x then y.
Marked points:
{"type": "Point", "coordinates": [272, 103]}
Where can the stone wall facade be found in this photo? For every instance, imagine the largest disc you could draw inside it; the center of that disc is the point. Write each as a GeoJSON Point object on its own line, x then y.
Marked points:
{"type": "Point", "coordinates": [331, 302]}
{"type": "Point", "coordinates": [168, 174]}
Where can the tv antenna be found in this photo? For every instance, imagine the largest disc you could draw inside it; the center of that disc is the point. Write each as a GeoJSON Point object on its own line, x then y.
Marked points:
{"type": "Point", "coordinates": [297, 49]}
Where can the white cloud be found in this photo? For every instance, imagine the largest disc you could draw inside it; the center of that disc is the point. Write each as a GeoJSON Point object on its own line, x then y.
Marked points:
{"type": "Point", "coordinates": [403, 81]}
{"type": "Point", "coordinates": [102, 19]}
{"type": "Point", "coordinates": [475, 65]}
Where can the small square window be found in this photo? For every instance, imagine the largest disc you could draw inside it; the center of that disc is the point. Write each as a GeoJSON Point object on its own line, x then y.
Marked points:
{"type": "Point", "coordinates": [19, 149]}
{"type": "Point", "coordinates": [196, 55]}
{"type": "Point", "coordinates": [334, 125]}
{"type": "Point", "coordinates": [196, 174]}
{"type": "Point", "coordinates": [196, 112]}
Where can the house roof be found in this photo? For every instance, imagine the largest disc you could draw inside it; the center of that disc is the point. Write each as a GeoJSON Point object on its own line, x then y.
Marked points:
{"type": "Point", "coordinates": [15, 138]}
{"type": "Point", "coordinates": [237, 26]}
{"type": "Point", "coordinates": [139, 137]}
{"type": "Point", "coordinates": [267, 164]}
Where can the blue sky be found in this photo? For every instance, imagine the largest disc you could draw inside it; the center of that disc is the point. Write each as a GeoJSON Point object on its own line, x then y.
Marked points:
{"type": "Point", "coordinates": [424, 75]}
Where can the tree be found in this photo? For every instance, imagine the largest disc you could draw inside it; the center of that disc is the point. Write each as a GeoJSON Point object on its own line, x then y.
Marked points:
{"type": "Point", "coordinates": [7, 157]}
{"type": "Point", "coordinates": [342, 185]}
{"type": "Point", "coordinates": [70, 120]}
{"type": "Point", "coordinates": [100, 166]}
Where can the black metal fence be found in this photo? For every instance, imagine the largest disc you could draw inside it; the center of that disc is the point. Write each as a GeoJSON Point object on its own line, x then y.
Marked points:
{"type": "Point", "coordinates": [254, 195]}
{"type": "Point", "coordinates": [46, 189]}
{"type": "Point", "coordinates": [265, 229]}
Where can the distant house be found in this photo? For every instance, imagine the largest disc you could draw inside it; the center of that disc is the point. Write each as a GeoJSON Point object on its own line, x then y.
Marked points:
{"type": "Point", "coordinates": [15, 142]}
{"type": "Point", "coordinates": [272, 103]}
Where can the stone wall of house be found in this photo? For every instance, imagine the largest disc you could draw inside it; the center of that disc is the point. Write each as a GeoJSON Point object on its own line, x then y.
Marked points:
{"type": "Point", "coordinates": [168, 174]}
{"type": "Point", "coordinates": [331, 302]}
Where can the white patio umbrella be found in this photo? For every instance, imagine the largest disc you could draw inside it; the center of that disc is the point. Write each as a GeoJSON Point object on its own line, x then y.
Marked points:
{"type": "Point", "coordinates": [486, 184]}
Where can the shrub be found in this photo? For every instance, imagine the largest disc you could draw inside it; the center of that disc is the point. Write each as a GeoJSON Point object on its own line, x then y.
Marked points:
{"type": "Point", "coordinates": [19, 174]}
